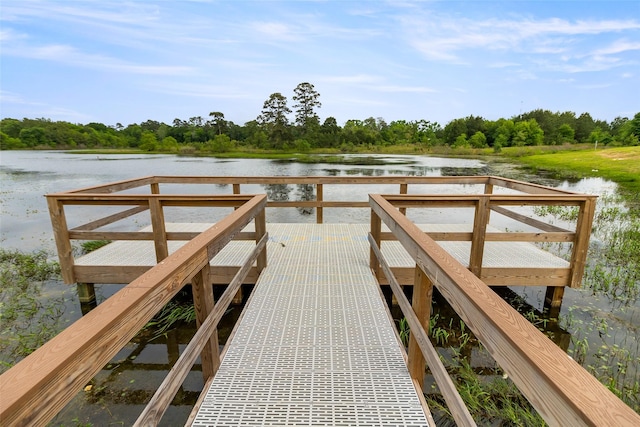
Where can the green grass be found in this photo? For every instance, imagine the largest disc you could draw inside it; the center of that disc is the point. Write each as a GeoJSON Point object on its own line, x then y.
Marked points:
{"type": "Point", "coordinates": [621, 164]}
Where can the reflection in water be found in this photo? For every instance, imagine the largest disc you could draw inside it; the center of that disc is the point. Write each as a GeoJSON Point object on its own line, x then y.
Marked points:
{"type": "Point", "coordinates": [277, 192]}
{"type": "Point", "coordinates": [304, 192]}
{"type": "Point", "coordinates": [457, 171]}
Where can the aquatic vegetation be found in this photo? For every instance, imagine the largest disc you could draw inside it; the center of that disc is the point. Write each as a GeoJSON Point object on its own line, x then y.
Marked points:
{"type": "Point", "coordinates": [27, 320]}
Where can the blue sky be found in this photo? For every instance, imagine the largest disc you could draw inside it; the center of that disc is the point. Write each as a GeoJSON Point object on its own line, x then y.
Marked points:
{"type": "Point", "coordinates": [130, 61]}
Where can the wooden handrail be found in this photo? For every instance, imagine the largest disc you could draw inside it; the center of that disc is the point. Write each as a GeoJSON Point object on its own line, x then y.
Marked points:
{"type": "Point", "coordinates": [458, 409]}
{"type": "Point", "coordinates": [561, 390]}
{"type": "Point", "coordinates": [33, 391]}
{"type": "Point", "coordinates": [152, 414]}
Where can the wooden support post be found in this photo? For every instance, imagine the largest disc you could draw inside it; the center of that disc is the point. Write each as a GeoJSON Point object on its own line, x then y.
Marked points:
{"type": "Point", "coordinates": [421, 303]}
{"type": "Point", "coordinates": [204, 304]}
{"type": "Point", "coordinates": [61, 235]}
{"type": "Point", "coordinates": [155, 188]}
{"type": "Point", "coordinates": [581, 241]}
{"type": "Point", "coordinates": [236, 190]}
{"type": "Point", "coordinates": [261, 230]}
{"type": "Point", "coordinates": [376, 229]}
{"type": "Point", "coordinates": [403, 190]}
{"type": "Point", "coordinates": [319, 199]}
{"type": "Point", "coordinates": [159, 230]}
{"type": "Point", "coordinates": [553, 299]}
{"type": "Point", "coordinates": [478, 237]}
{"type": "Point", "coordinates": [488, 189]}
{"type": "Point", "coordinates": [86, 293]}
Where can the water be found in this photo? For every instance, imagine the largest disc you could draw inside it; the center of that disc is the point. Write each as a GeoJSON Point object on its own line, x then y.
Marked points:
{"type": "Point", "coordinates": [118, 393]}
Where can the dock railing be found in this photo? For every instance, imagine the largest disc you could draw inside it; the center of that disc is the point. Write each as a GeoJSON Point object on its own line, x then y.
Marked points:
{"type": "Point", "coordinates": [487, 197]}
{"type": "Point", "coordinates": [560, 390]}
{"type": "Point", "coordinates": [37, 388]}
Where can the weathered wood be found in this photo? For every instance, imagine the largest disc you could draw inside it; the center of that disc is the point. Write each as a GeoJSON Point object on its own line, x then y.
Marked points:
{"type": "Point", "coordinates": [421, 304]}
{"type": "Point", "coordinates": [456, 405]}
{"type": "Point", "coordinates": [61, 236]}
{"type": "Point", "coordinates": [525, 187]}
{"type": "Point", "coordinates": [86, 293]}
{"type": "Point", "coordinates": [557, 387]}
{"type": "Point", "coordinates": [204, 305]}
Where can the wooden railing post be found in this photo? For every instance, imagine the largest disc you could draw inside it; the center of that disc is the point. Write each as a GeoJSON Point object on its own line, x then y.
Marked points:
{"type": "Point", "coordinates": [261, 230]}
{"type": "Point", "coordinates": [376, 229]}
{"type": "Point", "coordinates": [479, 231]}
{"type": "Point", "coordinates": [204, 304]}
{"type": "Point", "coordinates": [581, 241]}
{"type": "Point", "coordinates": [488, 189]}
{"type": "Point", "coordinates": [159, 229]}
{"type": "Point", "coordinates": [403, 190]}
{"type": "Point", "coordinates": [421, 303]}
{"type": "Point", "coordinates": [319, 199]}
{"type": "Point", "coordinates": [61, 235]}
{"type": "Point", "coordinates": [236, 190]}
{"type": "Point", "coordinates": [155, 188]}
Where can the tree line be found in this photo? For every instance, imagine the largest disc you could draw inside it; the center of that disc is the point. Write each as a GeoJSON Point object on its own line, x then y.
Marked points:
{"type": "Point", "coordinates": [273, 129]}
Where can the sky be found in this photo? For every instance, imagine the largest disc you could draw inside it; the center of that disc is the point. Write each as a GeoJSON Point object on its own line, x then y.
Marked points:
{"type": "Point", "coordinates": [130, 61]}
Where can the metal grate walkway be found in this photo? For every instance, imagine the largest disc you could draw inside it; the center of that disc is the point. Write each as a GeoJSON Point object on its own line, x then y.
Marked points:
{"type": "Point", "coordinates": [315, 346]}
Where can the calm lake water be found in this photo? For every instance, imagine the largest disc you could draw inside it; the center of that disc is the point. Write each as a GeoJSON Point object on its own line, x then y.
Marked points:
{"type": "Point", "coordinates": [120, 390]}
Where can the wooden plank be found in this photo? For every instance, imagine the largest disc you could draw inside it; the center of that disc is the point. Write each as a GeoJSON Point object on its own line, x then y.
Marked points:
{"type": "Point", "coordinates": [525, 187]}
{"type": "Point", "coordinates": [558, 388]}
{"type": "Point", "coordinates": [112, 235]}
{"type": "Point", "coordinates": [529, 221]}
{"type": "Point", "coordinates": [506, 276]}
{"type": "Point", "coordinates": [108, 274]}
{"type": "Point", "coordinates": [116, 186]}
{"type": "Point", "coordinates": [455, 404]}
{"type": "Point", "coordinates": [61, 236]}
{"type": "Point", "coordinates": [528, 237]}
{"type": "Point", "coordinates": [110, 219]}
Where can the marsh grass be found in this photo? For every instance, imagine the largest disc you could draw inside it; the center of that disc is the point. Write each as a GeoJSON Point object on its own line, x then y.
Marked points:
{"type": "Point", "coordinates": [27, 319]}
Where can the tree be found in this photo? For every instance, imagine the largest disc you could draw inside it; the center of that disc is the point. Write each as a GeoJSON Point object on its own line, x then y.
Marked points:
{"type": "Point", "coordinates": [566, 134]}
{"type": "Point", "coordinates": [274, 119]}
{"type": "Point", "coordinates": [218, 122]}
{"type": "Point", "coordinates": [307, 99]}
{"type": "Point", "coordinates": [478, 140]}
